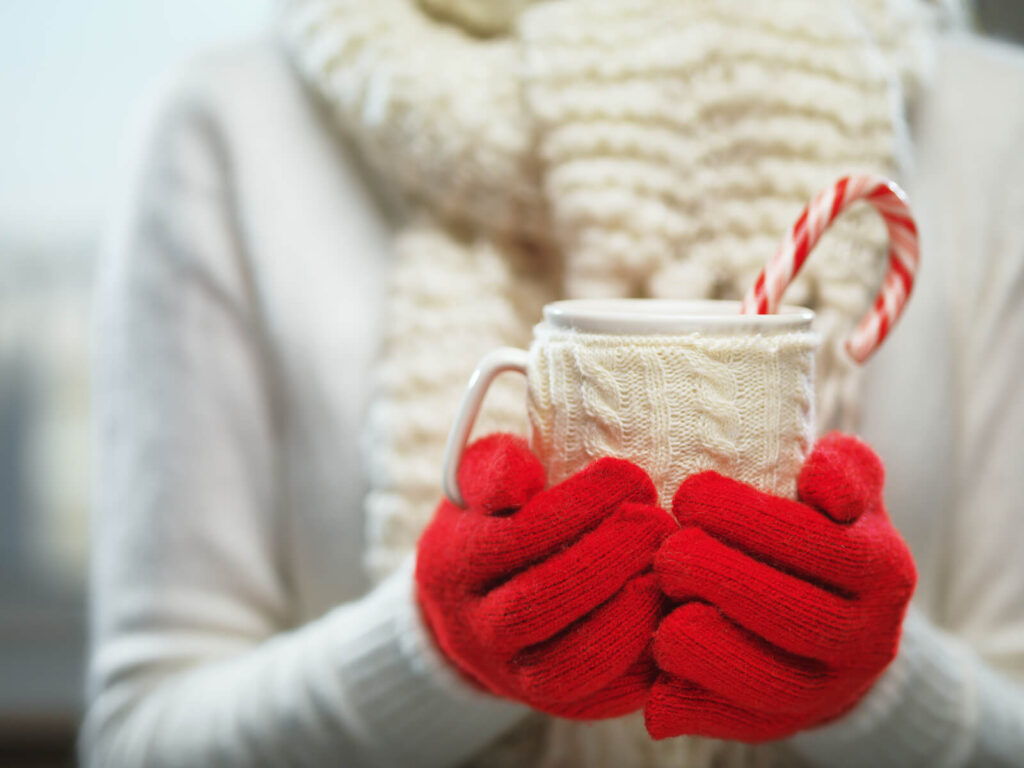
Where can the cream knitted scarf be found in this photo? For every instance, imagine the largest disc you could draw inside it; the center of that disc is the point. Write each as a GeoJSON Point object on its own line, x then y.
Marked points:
{"type": "Point", "coordinates": [578, 148]}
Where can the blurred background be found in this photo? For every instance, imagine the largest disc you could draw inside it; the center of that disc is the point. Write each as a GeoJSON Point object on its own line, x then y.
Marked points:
{"type": "Point", "coordinates": [72, 78]}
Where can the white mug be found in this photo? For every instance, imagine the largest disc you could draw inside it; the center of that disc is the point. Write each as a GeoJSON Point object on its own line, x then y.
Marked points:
{"type": "Point", "coordinates": [676, 387]}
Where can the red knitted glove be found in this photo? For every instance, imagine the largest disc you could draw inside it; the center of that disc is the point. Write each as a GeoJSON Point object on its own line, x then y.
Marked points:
{"type": "Point", "coordinates": [547, 597]}
{"type": "Point", "coordinates": [788, 611]}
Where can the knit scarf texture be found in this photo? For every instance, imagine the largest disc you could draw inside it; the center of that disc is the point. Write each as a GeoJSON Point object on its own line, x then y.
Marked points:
{"type": "Point", "coordinates": [600, 148]}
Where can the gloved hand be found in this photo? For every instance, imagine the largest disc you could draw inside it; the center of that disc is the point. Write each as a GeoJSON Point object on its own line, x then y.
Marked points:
{"type": "Point", "coordinates": [787, 611]}
{"type": "Point", "coordinates": [547, 596]}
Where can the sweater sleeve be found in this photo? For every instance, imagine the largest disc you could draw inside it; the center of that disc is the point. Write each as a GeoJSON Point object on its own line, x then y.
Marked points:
{"type": "Point", "coordinates": [955, 694]}
{"type": "Point", "coordinates": [194, 659]}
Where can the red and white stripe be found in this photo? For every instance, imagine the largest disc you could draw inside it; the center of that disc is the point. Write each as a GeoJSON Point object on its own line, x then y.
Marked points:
{"type": "Point", "coordinates": [891, 203]}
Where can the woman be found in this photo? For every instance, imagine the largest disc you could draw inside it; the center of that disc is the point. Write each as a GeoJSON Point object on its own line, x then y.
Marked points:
{"type": "Point", "coordinates": [254, 597]}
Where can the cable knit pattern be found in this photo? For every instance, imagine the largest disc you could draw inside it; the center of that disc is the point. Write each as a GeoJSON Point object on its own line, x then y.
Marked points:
{"type": "Point", "coordinates": [739, 404]}
{"type": "Point", "coordinates": [642, 148]}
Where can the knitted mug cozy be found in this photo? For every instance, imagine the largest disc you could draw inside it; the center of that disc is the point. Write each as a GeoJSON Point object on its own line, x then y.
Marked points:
{"type": "Point", "coordinates": [736, 402]}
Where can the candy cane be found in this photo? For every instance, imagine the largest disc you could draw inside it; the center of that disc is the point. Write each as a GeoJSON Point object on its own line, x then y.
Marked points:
{"type": "Point", "coordinates": [891, 203]}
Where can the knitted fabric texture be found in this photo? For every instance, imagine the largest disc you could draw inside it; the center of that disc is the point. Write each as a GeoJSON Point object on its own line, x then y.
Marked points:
{"type": "Point", "coordinates": [787, 611]}
{"type": "Point", "coordinates": [598, 148]}
{"type": "Point", "coordinates": [455, 300]}
{"type": "Point", "coordinates": [737, 403]}
{"type": "Point", "coordinates": [547, 596]}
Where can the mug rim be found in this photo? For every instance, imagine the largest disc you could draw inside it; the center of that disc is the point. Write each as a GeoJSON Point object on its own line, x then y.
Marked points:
{"type": "Point", "coordinates": [634, 316]}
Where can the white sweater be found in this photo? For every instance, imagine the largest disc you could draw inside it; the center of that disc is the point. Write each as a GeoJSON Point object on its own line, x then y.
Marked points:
{"type": "Point", "coordinates": [239, 311]}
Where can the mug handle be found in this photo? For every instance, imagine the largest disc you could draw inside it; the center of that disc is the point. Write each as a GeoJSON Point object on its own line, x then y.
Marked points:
{"type": "Point", "coordinates": [490, 365]}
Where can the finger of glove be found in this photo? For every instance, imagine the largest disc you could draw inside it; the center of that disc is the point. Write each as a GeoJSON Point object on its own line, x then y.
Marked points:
{"type": "Point", "coordinates": [594, 651]}
{"type": "Point", "coordinates": [543, 600]}
{"type": "Point", "coordinates": [498, 547]}
{"type": "Point", "coordinates": [783, 533]}
{"type": "Point", "coordinates": [677, 707]}
{"type": "Point", "coordinates": [625, 694]}
{"type": "Point", "coordinates": [843, 478]}
{"type": "Point", "coordinates": [698, 644]}
{"type": "Point", "coordinates": [498, 473]}
{"type": "Point", "coordinates": [793, 614]}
